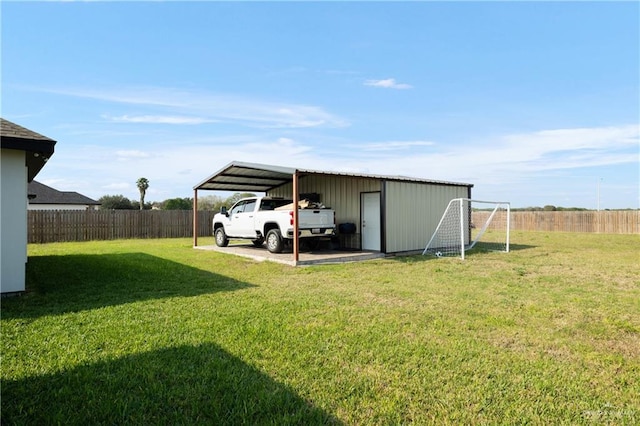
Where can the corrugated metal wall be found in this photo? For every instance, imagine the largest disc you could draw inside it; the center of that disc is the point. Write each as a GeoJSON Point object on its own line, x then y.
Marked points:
{"type": "Point", "coordinates": [413, 211]}
{"type": "Point", "coordinates": [341, 193]}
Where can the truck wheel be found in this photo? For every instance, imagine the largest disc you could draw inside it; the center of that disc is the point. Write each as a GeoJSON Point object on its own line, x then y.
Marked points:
{"type": "Point", "coordinates": [221, 237]}
{"type": "Point", "coordinates": [274, 241]}
{"type": "Point", "coordinates": [258, 242]}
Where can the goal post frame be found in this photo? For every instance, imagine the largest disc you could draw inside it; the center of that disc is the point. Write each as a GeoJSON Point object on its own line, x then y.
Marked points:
{"type": "Point", "coordinates": [462, 227]}
{"type": "Point", "coordinates": [433, 236]}
{"type": "Point", "coordinates": [466, 225]}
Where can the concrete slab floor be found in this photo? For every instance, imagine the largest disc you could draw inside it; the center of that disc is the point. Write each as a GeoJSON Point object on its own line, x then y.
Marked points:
{"type": "Point", "coordinates": [313, 257]}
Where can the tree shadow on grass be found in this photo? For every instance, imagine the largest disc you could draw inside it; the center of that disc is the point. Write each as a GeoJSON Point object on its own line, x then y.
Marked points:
{"type": "Point", "coordinates": [72, 283]}
{"type": "Point", "coordinates": [183, 385]}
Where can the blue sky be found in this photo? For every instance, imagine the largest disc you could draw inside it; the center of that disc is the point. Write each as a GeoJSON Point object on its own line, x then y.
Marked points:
{"type": "Point", "coordinates": [535, 103]}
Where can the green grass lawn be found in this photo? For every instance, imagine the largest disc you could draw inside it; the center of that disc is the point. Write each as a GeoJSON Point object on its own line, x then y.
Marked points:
{"type": "Point", "coordinates": [155, 332]}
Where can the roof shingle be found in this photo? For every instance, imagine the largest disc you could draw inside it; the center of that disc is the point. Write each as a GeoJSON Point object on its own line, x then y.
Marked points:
{"type": "Point", "coordinates": [9, 129]}
{"type": "Point", "coordinates": [46, 195]}
{"type": "Point", "coordinates": [38, 148]}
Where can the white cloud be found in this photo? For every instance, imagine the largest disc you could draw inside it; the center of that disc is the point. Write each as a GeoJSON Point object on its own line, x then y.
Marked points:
{"type": "Point", "coordinates": [392, 145]}
{"type": "Point", "coordinates": [504, 159]}
{"type": "Point", "coordinates": [131, 155]}
{"type": "Point", "coordinates": [116, 186]}
{"type": "Point", "coordinates": [157, 119]}
{"type": "Point", "coordinates": [389, 83]}
{"type": "Point", "coordinates": [575, 139]}
{"type": "Point", "coordinates": [507, 167]}
{"type": "Point", "coordinates": [506, 156]}
{"type": "Point", "coordinates": [183, 104]}
{"type": "Point", "coordinates": [325, 71]}
{"type": "Point", "coordinates": [565, 148]}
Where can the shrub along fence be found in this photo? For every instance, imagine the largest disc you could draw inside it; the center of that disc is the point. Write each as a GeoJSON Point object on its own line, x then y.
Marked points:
{"type": "Point", "coordinates": [45, 226]}
{"type": "Point", "coordinates": [606, 222]}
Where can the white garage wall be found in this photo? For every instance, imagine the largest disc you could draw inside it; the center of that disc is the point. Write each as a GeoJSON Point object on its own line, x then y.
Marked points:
{"type": "Point", "coordinates": [13, 223]}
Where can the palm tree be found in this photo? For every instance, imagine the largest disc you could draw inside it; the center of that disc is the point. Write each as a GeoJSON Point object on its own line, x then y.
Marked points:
{"type": "Point", "coordinates": [143, 184]}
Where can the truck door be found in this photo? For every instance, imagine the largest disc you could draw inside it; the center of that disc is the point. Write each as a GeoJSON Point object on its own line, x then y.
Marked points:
{"type": "Point", "coordinates": [241, 219]}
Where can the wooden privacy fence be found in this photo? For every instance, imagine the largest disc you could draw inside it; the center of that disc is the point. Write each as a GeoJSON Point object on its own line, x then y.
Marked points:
{"type": "Point", "coordinates": [45, 226]}
{"type": "Point", "coordinates": [606, 222]}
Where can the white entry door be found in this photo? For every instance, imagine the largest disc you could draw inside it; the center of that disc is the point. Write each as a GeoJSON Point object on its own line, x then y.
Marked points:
{"type": "Point", "coordinates": [370, 226]}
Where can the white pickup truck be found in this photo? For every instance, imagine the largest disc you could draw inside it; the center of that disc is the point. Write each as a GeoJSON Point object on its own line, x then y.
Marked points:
{"type": "Point", "coordinates": [269, 219]}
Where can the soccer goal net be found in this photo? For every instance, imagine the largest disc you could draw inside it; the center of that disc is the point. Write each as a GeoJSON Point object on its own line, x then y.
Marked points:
{"type": "Point", "coordinates": [471, 224]}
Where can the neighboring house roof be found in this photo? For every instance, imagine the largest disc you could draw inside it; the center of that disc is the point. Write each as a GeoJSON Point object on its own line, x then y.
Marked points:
{"type": "Point", "coordinates": [240, 176]}
{"type": "Point", "coordinates": [39, 148]}
{"type": "Point", "coordinates": [42, 194]}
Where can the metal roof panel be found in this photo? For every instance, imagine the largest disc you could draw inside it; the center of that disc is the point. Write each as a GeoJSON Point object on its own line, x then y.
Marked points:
{"type": "Point", "coordinates": [243, 176]}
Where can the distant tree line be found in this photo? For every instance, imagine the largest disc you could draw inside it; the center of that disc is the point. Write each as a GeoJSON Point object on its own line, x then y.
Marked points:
{"type": "Point", "coordinates": [120, 202]}
{"type": "Point", "coordinates": [550, 208]}
{"type": "Point", "coordinates": [209, 202]}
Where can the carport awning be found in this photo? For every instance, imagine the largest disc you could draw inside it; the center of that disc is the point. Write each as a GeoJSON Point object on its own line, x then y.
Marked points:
{"type": "Point", "coordinates": [253, 177]}
{"type": "Point", "coordinates": [249, 177]}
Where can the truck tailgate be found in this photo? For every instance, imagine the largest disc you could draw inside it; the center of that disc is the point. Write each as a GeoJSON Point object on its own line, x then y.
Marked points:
{"type": "Point", "coordinates": [316, 218]}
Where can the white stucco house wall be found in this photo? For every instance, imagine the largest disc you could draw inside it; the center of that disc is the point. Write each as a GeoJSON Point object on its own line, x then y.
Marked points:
{"type": "Point", "coordinates": [23, 154]}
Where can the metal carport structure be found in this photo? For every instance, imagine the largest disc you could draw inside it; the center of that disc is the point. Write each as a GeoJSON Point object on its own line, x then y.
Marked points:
{"type": "Point", "coordinates": [250, 177]}
{"type": "Point", "coordinates": [408, 207]}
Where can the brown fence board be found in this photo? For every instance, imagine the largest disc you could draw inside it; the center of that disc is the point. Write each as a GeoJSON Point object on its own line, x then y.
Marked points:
{"type": "Point", "coordinates": [45, 226]}
{"type": "Point", "coordinates": [609, 222]}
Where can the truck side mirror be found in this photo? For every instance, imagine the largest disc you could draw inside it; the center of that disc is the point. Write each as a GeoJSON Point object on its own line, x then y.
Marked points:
{"type": "Point", "coordinates": [223, 210]}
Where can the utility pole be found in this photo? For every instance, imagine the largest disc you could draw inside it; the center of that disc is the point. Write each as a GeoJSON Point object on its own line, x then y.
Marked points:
{"type": "Point", "coordinates": [598, 192]}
